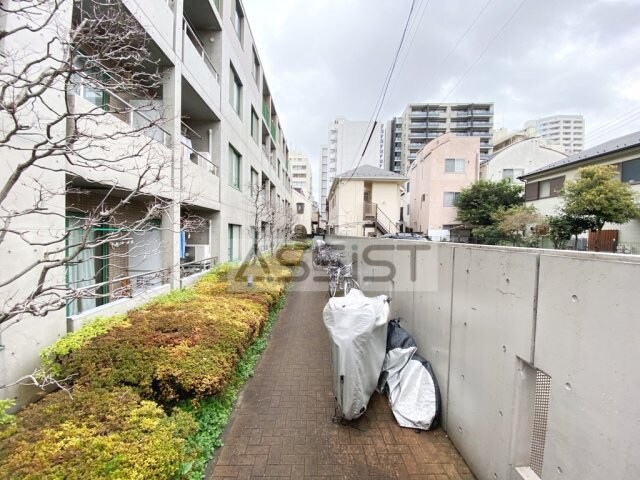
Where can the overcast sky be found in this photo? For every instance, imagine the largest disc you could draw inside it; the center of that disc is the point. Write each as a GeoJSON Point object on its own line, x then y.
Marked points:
{"type": "Point", "coordinates": [328, 58]}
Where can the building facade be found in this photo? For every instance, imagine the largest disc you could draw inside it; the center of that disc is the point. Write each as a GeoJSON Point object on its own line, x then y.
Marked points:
{"type": "Point", "coordinates": [211, 137]}
{"type": "Point", "coordinates": [543, 186]}
{"type": "Point", "coordinates": [301, 176]}
{"type": "Point", "coordinates": [365, 202]}
{"type": "Point", "coordinates": [442, 169]}
{"type": "Point", "coordinates": [519, 158]}
{"type": "Point", "coordinates": [567, 131]}
{"type": "Point", "coordinates": [422, 122]}
{"type": "Point", "coordinates": [346, 150]}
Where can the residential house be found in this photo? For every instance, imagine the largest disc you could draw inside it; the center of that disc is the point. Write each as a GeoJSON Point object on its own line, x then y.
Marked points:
{"type": "Point", "coordinates": [365, 202]}
{"type": "Point", "coordinates": [442, 169]}
{"type": "Point", "coordinates": [519, 158]}
{"type": "Point", "coordinates": [543, 185]}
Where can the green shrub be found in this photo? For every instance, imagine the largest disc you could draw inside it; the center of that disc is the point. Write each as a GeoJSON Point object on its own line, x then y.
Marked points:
{"type": "Point", "coordinates": [73, 341]}
{"type": "Point", "coordinates": [97, 434]}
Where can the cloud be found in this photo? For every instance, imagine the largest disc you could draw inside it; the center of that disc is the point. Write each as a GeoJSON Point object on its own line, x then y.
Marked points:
{"type": "Point", "coordinates": [328, 58]}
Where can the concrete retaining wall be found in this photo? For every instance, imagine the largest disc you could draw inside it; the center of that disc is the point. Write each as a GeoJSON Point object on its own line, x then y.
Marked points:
{"type": "Point", "coordinates": [488, 318]}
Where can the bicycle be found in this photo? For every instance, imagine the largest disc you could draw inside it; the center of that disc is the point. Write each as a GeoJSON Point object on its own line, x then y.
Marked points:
{"type": "Point", "coordinates": [341, 279]}
{"type": "Point", "coordinates": [325, 256]}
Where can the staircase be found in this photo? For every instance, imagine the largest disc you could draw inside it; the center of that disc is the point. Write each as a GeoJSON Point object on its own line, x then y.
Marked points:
{"type": "Point", "coordinates": [373, 214]}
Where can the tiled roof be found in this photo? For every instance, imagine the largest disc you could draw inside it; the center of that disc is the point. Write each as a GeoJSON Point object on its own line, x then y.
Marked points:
{"type": "Point", "coordinates": [368, 171]}
{"type": "Point", "coordinates": [620, 143]}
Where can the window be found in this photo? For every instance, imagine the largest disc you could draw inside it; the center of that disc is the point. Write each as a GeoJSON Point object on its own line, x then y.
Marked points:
{"type": "Point", "coordinates": [631, 171]}
{"type": "Point", "coordinates": [233, 244]}
{"type": "Point", "coordinates": [450, 198]}
{"type": "Point", "coordinates": [255, 182]}
{"type": "Point", "coordinates": [454, 165]}
{"type": "Point", "coordinates": [512, 174]}
{"type": "Point", "coordinates": [423, 197]}
{"type": "Point", "coordinates": [255, 70]}
{"type": "Point", "coordinates": [278, 169]}
{"type": "Point", "coordinates": [544, 190]}
{"type": "Point", "coordinates": [237, 18]}
{"type": "Point", "coordinates": [234, 167]}
{"type": "Point", "coordinates": [408, 209]}
{"type": "Point", "coordinates": [300, 207]}
{"type": "Point", "coordinates": [235, 91]}
{"type": "Point", "coordinates": [255, 126]}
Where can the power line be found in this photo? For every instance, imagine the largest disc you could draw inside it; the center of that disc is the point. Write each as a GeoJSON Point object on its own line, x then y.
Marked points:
{"type": "Point", "coordinates": [612, 126]}
{"type": "Point", "coordinates": [504, 25]}
{"type": "Point", "coordinates": [385, 87]}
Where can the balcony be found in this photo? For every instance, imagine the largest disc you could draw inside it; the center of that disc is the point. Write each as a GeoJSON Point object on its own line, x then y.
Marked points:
{"type": "Point", "coordinates": [419, 125]}
{"type": "Point", "coordinates": [460, 124]}
{"type": "Point", "coordinates": [417, 135]}
{"type": "Point", "coordinates": [416, 146]}
{"type": "Point", "coordinates": [157, 19]}
{"type": "Point", "coordinates": [482, 113]}
{"type": "Point", "coordinates": [418, 115]}
{"type": "Point", "coordinates": [198, 66]}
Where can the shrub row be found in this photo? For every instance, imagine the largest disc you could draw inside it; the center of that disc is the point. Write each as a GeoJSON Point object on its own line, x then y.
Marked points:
{"type": "Point", "coordinates": [129, 372]}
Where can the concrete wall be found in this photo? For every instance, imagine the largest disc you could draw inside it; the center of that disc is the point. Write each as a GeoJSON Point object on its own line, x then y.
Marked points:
{"type": "Point", "coordinates": [488, 317]}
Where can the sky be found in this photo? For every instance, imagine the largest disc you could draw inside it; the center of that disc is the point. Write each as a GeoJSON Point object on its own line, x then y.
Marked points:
{"type": "Point", "coordinates": [532, 58]}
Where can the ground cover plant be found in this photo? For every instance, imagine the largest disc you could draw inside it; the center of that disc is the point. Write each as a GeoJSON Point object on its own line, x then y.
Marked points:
{"type": "Point", "coordinates": [153, 389]}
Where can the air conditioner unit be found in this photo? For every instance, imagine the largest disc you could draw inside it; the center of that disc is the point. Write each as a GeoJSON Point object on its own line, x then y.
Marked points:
{"type": "Point", "coordinates": [202, 252]}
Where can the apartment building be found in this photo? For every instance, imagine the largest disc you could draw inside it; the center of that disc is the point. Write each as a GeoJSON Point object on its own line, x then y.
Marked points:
{"type": "Point", "coordinates": [442, 169]}
{"type": "Point", "coordinates": [393, 144]}
{"type": "Point", "coordinates": [301, 175]}
{"type": "Point", "coordinates": [564, 130]}
{"type": "Point", "coordinates": [365, 202]}
{"type": "Point", "coordinates": [346, 150]}
{"type": "Point", "coordinates": [211, 138]}
{"type": "Point", "coordinates": [420, 123]}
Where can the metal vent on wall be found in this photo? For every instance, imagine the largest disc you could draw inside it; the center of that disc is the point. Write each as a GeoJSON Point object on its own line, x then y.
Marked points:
{"type": "Point", "coordinates": [540, 416]}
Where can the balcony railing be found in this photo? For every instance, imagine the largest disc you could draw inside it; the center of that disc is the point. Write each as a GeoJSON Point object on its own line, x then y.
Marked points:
{"type": "Point", "coordinates": [417, 114]}
{"type": "Point", "coordinates": [124, 111]}
{"type": "Point", "coordinates": [481, 113]}
{"type": "Point", "coordinates": [197, 43]}
{"type": "Point", "coordinates": [202, 159]}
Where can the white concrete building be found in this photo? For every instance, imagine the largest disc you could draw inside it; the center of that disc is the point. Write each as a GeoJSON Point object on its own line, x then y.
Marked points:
{"type": "Point", "coordinates": [301, 176]}
{"type": "Point", "coordinates": [365, 202]}
{"type": "Point", "coordinates": [565, 130]}
{"type": "Point", "coordinates": [518, 159]}
{"type": "Point", "coordinates": [221, 136]}
{"type": "Point", "coordinates": [303, 211]}
{"type": "Point", "coordinates": [422, 122]}
{"type": "Point", "coordinates": [346, 150]}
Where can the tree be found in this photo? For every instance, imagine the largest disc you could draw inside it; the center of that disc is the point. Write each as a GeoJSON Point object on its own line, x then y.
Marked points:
{"type": "Point", "coordinates": [79, 119]}
{"type": "Point", "coordinates": [598, 195]}
{"type": "Point", "coordinates": [261, 212]}
{"type": "Point", "coordinates": [515, 221]}
{"type": "Point", "coordinates": [478, 203]}
{"type": "Point", "coordinates": [562, 227]}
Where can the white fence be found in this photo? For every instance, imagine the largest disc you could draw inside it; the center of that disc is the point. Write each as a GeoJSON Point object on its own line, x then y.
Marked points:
{"type": "Point", "coordinates": [519, 338]}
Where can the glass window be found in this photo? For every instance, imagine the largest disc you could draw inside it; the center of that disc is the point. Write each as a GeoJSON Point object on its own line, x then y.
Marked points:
{"type": "Point", "coordinates": [234, 167]}
{"type": "Point", "coordinates": [236, 17]}
{"type": "Point", "coordinates": [631, 171]}
{"type": "Point", "coordinates": [512, 174]}
{"type": "Point", "coordinates": [255, 126]}
{"type": "Point", "coordinates": [235, 91]}
{"type": "Point", "coordinates": [300, 207]}
{"type": "Point", "coordinates": [233, 246]}
{"type": "Point", "coordinates": [545, 189]}
{"type": "Point", "coordinates": [255, 71]}
{"type": "Point", "coordinates": [454, 165]}
{"type": "Point", "coordinates": [450, 198]}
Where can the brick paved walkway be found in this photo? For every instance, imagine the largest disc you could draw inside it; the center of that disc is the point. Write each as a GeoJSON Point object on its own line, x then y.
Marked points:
{"type": "Point", "coordinates": [281, 426]}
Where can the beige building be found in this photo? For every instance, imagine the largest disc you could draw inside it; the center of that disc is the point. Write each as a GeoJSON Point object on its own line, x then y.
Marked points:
{"type": "Point", "coordinates": [365, 202]}
{"type": "Point", "coordinates": [543, 185]}
{"type": "Point", "coordinates": [442, 169]}
{"type": "Point", "coordinates": [302, 210]}
{"type": "Point", "coordinates": [519, 158]}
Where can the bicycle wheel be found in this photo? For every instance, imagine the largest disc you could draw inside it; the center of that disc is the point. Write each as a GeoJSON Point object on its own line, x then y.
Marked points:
{"type": "Point", "coordinates": [333, 286]}
{"type": "Point", "coordinates": [350, 283]}
{"type": "Point", "coordinates": [315, 262]}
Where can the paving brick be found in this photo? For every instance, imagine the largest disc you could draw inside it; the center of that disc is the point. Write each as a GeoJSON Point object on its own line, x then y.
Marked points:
{"type": "Point", "coordinates": [282, 424]}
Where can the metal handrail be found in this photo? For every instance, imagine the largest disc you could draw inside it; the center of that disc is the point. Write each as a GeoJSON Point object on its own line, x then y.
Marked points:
{"type": "Point", "coordinates": [197, 43]}
{"type": "Point", "coordinates": [166, 137]}
{"type": "Point", "coordinates": [214, 167]}
{"type": "Point", "coordinates": [200, 265]}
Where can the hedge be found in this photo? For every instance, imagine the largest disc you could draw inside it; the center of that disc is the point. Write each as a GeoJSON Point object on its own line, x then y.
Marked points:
{"type": "Point", "coordinates": [186, 348]}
